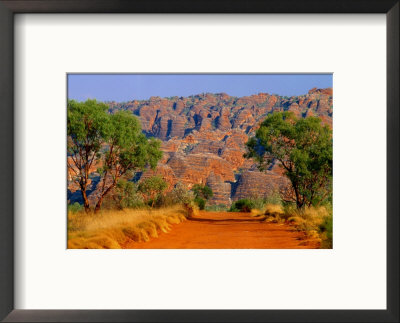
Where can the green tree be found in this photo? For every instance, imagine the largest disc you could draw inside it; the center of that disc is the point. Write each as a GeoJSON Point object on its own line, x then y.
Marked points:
{"type": "Point", "coordinates": [127, 151]}
{"type": "Point", "coordinates": [126, 195]}
{"type": "Point", "coordinates": [151, 187]}
{"type": "Point", "coordinates": [303, 147]}
{"type": "Point", "coordinates": [114, 141]}
{"type": "Point", "coordinates": [87, 131]}
{"type": "Point", "coordinates": [202, 193]}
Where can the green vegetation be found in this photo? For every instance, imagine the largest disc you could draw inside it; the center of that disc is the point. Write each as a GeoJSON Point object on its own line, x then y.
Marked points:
{"type": "Point", "coordinates": [76, 207]}
{"type": "Point", "coordinates": [126, 196]}
{"type": "Point", "coordinates": [316, 222]}
{"type": "Point", "coordinates": [86, 132]}
{"type": "Point", "coordinates": [273, 198]}
{"type": "Point", "coordinates": [201, 194]}
{"type": "Point", "coordinates": [255, 203]}
{"type": "Point", "coordinates": [326, 230]}
{"type": "Point", "coordinates": [114, 142]}
{"type": "Point", "coordinates": [200, 203]}
{"type": "Point", "coordinates": [303, 148]}
{"type": "Point", "coordinates": [242, 205]}
{"type": "Point", "coordinates": [151, 188]}
{"type": "Point", "coordinates": [182, 196]}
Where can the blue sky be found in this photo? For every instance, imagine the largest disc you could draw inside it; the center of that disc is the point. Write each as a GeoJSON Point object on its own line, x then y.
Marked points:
{"type": "Point", "coordinates": [127, 87]}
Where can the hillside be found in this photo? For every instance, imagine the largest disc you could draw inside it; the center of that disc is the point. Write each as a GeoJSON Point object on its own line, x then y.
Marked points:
{"type": "Point", "coordinates": [203, 138]}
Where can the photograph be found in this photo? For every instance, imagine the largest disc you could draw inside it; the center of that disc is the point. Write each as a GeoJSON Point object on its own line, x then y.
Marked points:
{"type": "Point", "coordinates": [199, 161]}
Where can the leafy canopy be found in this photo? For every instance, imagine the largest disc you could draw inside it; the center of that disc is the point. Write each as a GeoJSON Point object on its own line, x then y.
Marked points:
{"type": "Point", "coordinates": [128, 148]}
{"type": "Point", "coordinates": [112, 142]}
{"type": "Point", "coordinates": [87, 132]}
{"type": "Point", "coordinates": [303, 147]}
{"type": "Point", "coordinates": [86, 124]}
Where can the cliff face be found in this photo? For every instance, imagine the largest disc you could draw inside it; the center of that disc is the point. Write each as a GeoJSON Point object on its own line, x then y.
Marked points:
{"type": "Point", "coordinates": [204, 137]}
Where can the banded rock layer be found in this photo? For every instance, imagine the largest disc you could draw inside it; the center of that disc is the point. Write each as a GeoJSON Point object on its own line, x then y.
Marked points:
{"type": "Point", "coordinates": [203, 137]}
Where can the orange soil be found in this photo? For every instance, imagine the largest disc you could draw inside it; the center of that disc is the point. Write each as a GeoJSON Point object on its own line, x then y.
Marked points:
{"type": "Point", "coordinates": [227, 230]}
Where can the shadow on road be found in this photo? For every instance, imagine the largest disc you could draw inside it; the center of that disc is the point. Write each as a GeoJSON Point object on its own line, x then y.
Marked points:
{"type": "Point", "coordinates": [227, 220]}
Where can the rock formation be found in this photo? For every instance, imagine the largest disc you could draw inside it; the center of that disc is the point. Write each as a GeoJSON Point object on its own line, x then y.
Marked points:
{"type": "Point", "coordinates": [203, 137]}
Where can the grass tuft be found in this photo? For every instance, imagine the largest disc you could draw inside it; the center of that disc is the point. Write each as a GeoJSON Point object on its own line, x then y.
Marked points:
{"type": "Point", "coordinates": [316, 222]}
{"type": "Point", "coordinates": [113, 229]}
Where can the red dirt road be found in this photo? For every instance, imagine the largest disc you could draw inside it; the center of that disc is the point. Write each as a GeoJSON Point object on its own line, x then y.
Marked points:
{"type": "Point", "coordinates": [227, 230]}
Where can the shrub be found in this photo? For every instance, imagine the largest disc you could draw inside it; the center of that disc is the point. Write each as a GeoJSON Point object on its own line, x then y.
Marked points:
{"type": "Point", "coordinates": [261, 206]}
{"type": "Point", "coordinates": [201, 203]}
{"type": "Point", "coordinates": [76, 207]}
{"type": "Point", "coordinates": [205, 192]}
{"type": "Point", "coordinates": [126, 196]}
{"type": "Point", "coordinates": [202, 193]}
{"type": "Point", "coordinates": [180, 195]}
{"type": "Point", "coordinates": [257, 203]}
{"type": "Point", "coordinates": [273, 198]}
{"type": "Point", "coordinates": [152, 187]}
{"type": "Point", "coordinates": [243, 205]}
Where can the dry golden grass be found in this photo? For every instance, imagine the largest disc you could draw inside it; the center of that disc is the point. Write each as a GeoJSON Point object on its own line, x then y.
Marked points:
{"type": "Point", "coordinates": [256, 212]}
{"type": "Point", "coordinates": [310, 220]}
{"type": "Point", "coordinates": [112, 229]}
{"type": "Point", "coordinates": [313, 216]}
{"type": "Point", "coordinates": [268, 209]}
{"type": "Point", "coordinates": [274, 210]}
{"type": "Point", "coordinates": [313, 221]}
{"type": "Point", "coordinates": [270, 212]}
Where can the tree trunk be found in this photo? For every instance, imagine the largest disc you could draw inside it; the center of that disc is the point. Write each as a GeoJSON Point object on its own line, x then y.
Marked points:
{"type": "Point", "coordinates": [85, 200]}
{"type": "Point", "coordinates": [100, 201]}
{"type": "Point", "coordinates": [152, 201]}
{"type": "Point", "coordinates": [98, 204]}
{"type": "Point", "coordinates": [299, 203]}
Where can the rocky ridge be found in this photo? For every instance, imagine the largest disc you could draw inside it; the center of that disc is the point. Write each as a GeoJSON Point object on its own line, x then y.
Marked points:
{"type": "Point", "coordinates": [203, 138]}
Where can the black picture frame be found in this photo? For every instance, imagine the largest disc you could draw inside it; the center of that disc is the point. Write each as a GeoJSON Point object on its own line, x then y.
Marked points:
{"type": "Point", "coordinates": [8, 8]}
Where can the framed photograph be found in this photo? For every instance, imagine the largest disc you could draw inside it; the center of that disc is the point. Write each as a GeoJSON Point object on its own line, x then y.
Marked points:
{"type": "Point", "coordinates": [212, 161]}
